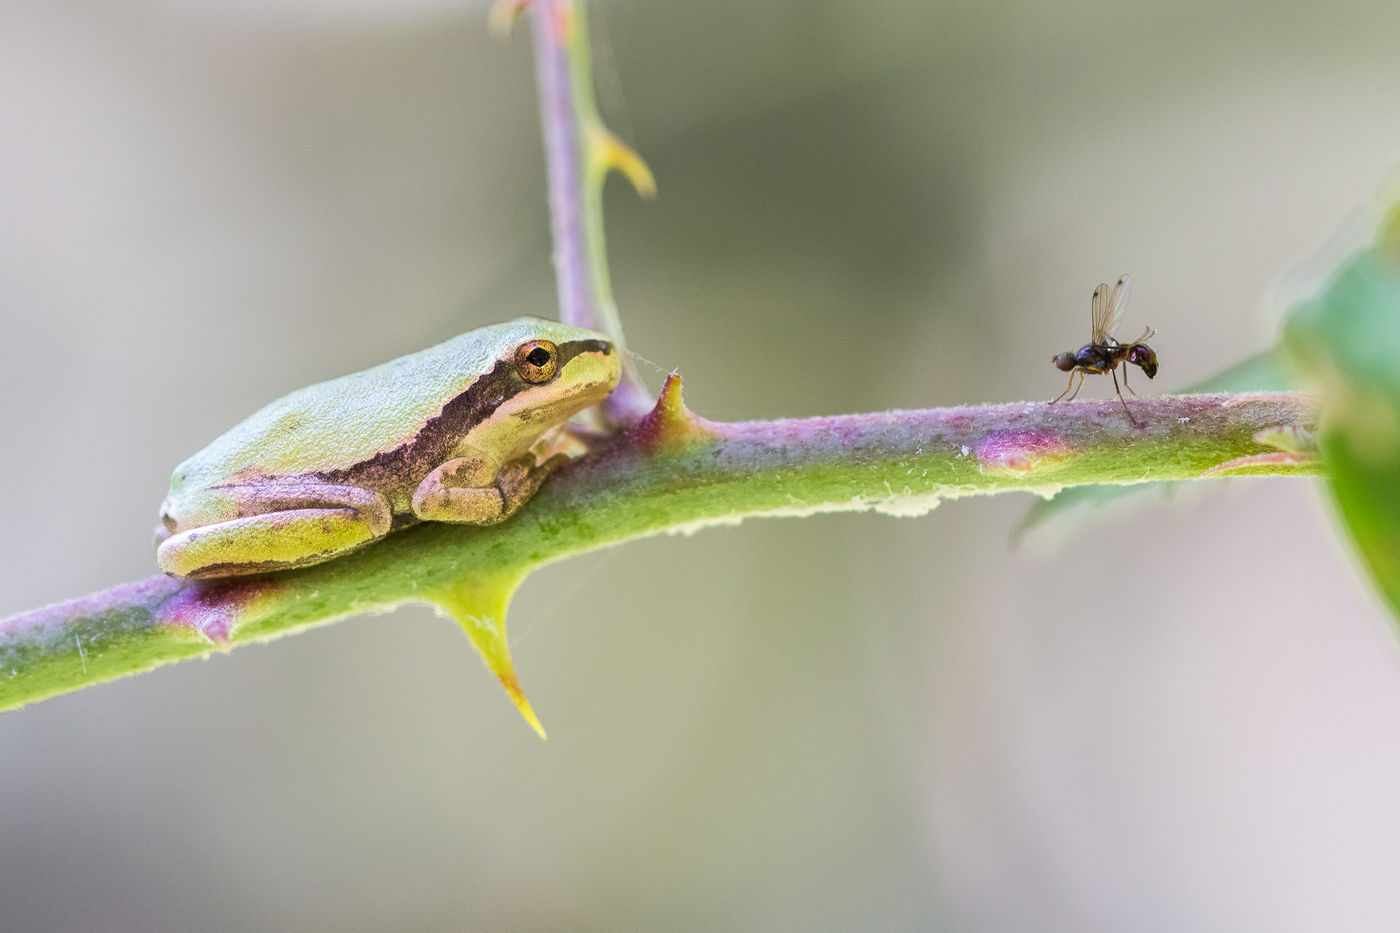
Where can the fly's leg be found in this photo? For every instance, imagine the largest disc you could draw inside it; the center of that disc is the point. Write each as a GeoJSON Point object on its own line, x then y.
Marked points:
{"type": "Point", "coordinates": [1114, 374]}
{"type": "Point", "coordinates": [1077, 388]}
{"type": "Point", "coordinates": [1125, 381]}
{"type": "Point", "coordinates": [1080, 374]}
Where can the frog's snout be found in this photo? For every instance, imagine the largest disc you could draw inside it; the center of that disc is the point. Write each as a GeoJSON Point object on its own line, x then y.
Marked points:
{"type": "Point", "coordinates": [600, 363]}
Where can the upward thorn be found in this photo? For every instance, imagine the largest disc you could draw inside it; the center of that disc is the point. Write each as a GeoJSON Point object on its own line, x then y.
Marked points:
{"type": "Point", "coordinates": [607, 153]}
{"type": "Point", "coordinates": [670, 423]}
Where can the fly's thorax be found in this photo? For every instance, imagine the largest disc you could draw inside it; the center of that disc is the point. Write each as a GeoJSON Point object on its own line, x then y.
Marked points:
{"type": "Point", "coordinates": [1094, 356]}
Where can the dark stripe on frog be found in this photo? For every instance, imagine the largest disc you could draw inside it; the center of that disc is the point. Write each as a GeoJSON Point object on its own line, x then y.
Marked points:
{"type": "Point", "coordinates": [573, 348]}
{"type": "Point", "coordinates": [395, 470]}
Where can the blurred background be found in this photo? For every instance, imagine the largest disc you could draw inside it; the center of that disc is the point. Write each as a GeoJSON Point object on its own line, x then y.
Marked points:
{"type": "Point", "coordinates": [1184, 717]}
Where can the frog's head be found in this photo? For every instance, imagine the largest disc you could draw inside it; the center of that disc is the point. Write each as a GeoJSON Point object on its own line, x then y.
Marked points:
{"type": "Point", "coordinates": [563, 376]}
{"type": "Point", "coordinates": [555, 371]}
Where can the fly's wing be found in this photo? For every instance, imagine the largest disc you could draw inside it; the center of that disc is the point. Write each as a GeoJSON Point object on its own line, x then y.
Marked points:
{"type": "Point", "coordinates": [1098, 313]}
{"type": "Point", "coordinates": [1108, 309]}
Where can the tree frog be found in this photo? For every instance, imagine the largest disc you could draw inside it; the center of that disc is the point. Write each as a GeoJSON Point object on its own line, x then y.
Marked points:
{"type": "Point", "coordinates": [460, 432]}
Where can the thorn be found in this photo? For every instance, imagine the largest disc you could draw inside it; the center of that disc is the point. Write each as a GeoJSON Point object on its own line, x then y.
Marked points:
{"type": "Point", "coordinates": [670, 422]}
{"type": "Point", "coordinates": [517, 695]}
{"type": "Point", "coordinates": [670, 403]}
{"type": "Point", "coordinates": [607, 153]}
{"type": "Point", "coordinates": [478, 604]}
{"type": "Point", "coordinates": [213, 609]}
{"type": "Point", "coordinates": [504, 14]}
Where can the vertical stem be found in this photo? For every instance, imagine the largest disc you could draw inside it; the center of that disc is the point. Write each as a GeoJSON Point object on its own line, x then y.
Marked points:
{"type": "Point", "coordinates": [563, 166]}
{"type": "Point", "coordinates": [579, 152]}
{"type": "Point", "coordinates": [593, 140]}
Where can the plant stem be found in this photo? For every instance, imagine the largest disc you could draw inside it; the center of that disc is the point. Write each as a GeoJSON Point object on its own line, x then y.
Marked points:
{"type": "Point", "coordinates": [564, 169]}
{"type": "Point", "coordinates": [671, 472]}
{"type": "Point", "coordinates": [579, 152]}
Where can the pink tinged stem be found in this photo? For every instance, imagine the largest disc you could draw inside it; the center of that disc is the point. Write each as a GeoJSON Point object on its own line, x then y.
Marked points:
{"type": "Point", "coordinates": [563, 166]}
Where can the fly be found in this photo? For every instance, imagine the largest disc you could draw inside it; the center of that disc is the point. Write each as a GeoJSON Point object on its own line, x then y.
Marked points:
{"type": "Point", "coordinates": [1103, 352]}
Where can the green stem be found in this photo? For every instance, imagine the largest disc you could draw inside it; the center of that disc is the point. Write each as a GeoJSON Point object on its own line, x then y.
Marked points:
{"type": "Point", "coordinates": [579, 153]}
{"type": "Point", "coordinates": [671, 472]}
{"type": "Point", "coordinates": [586, 107]}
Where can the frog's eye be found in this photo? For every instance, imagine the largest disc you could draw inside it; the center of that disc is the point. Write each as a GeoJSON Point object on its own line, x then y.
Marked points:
{"type": "Point", "coordinates": [536, 361]}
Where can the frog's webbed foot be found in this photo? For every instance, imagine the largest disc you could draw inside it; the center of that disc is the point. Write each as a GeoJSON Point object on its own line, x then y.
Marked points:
{"type": "Point", "coordinates": [521, 479]}
{"type": "Point", "coordinates": [462, 491]}
{"type": "Point", "coordinates": [282, 527]}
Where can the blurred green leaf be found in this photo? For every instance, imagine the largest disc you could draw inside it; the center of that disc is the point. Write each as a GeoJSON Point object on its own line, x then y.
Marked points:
{"type": "Point", "coordinates": [1076, 506]}
{"type": "Point", "coordinates": [1348, 338]}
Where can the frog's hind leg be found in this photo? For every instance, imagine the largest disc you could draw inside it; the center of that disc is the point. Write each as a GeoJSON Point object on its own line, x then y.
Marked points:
{"type": "Point", "coordinates": [279, 527]}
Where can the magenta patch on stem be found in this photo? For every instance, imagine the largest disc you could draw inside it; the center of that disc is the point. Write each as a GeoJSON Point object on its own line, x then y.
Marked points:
{"type": "Point", "coordinates": [211, 609]}
{"type": "Point", "coordinates": [1021, 452]}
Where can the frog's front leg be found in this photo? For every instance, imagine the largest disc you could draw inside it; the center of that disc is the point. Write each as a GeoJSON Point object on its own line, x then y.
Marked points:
{"type": "Point", "coordinates": [475, 490]}
{"type": "Point", "coordinates": [279, 527]}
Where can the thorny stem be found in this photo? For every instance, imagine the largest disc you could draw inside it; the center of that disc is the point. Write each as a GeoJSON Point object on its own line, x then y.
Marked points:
{"type": "Point", "coordinates": [673, 472]}
{"type": "Point", "coordinates": [669, 471]}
